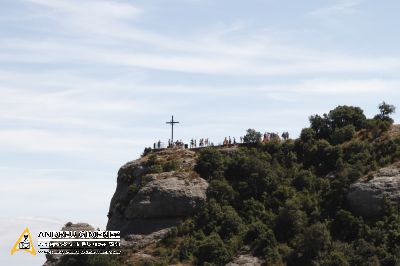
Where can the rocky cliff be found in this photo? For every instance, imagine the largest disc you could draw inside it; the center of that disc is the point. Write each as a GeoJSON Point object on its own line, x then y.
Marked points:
{"type": "Point", "coordinates": [155, 192]}
{"type": "Point", "coordinates": [366, 196]}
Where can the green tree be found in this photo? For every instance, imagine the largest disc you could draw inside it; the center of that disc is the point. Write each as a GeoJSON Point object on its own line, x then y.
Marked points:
{"type": "Point", "coordinates": [314, 241]}
{"type": "Point", "coordinates": [385, 110]}
{"type": "Point", "coordinates": [210, 164]}
{"type": "Point", "coordinates": [231, 224]}
{"type": "Point", "coordinates": [345, 115]}
{"type": "Point", "coordinates": [262, 240]}
{"type": "Point", "coordinates": [321, 125]}
{"type": "Point", "coordinates": [221, 191]}
{"type": "Point", "coordinates": [343, 134]}
{"type": "Point", "coordinates": [252, 136]}
{"type": "Point", "coordinates": [289, 222]}
{"type": "Point", "coordinates": [212, 250]}
{"type": "Point", "coordinates": [339, 117]}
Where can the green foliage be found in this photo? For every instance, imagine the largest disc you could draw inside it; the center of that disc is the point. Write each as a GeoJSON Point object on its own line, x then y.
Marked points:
{"type": "Point", "coordinates": [262, 240]}
{"type": "Point", "coordinates": [340, 117]}
{"type": "Point", "coordinates": [252, 136]}
{"type": "Point", "coordinates": [221, 191]}
{"type": "Point", "coordinates": [344, 115]}
{"type": "Point", "coordinates": [287, 201]}
{"type": "Point", "coordinates": [346, 227]}
{"type": "Point", "coordinates": [385, 110]}
{"type": "Point", "coordinates": [171, 165]}
{"type": "Point", "coordinates": [146, 151]}
{"type": "Point", "coordinates": [155, 169]}
{"type": "Point", "coordinates": [212, 250]}
{"type": "Point", "coordinates": [312, 243]}
{"type": "Point", "coordinates": [289, 222]}
{"type": "Point", "coordinates": [210, 163]}
{"type": "Point", "coordinates": [343, 134]}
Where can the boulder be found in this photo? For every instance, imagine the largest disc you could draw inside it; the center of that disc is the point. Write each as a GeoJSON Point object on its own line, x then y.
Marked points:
{"type": "Point", "coordinates": [54, 259]}
{"type": "Point", "coordinates": [365, 197]}
{"type": "Point", "coordinates": [245, 258]}
{"type": "Point", "coordinates": [137, 242]}
{"type": "Point", "coordinates": [161, 200]}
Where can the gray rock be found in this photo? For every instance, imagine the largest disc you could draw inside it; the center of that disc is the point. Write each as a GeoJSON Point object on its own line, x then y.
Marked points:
{"type": "Point", "coordinates": [54, 259]}
{"type": "Point", "coordinates": [168, 195]}
{"type": "Point", "coordinates": [365, 197]}
{"type": "Point", "coordinates": [137, 242]}
{"type": "Point", "coordinates": [245, 260]}
{"type": "Point", "coordinates": [162, 200]}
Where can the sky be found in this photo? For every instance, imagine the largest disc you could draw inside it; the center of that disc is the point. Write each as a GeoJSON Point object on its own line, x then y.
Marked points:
{"type": "Point", "coordinates": [86, 85]}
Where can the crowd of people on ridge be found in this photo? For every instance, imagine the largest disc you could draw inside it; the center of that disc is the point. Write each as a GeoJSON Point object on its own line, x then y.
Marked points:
{"type": "Point", "coordinates": [203, 142]}
{"type": "Point", "coordinates": [228, 141]}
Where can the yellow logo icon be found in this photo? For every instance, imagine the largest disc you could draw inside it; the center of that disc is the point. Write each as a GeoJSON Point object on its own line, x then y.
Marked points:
{"type": "Point", "coordinates": [24, 243]}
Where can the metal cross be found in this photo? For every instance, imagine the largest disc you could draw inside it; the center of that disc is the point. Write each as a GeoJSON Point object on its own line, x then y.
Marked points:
{"type": "Point", "coordinates": [172, 122]}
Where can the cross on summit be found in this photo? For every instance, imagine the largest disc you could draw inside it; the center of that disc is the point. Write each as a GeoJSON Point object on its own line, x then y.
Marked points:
{"type": "Point", "coordinates": [172, 122]}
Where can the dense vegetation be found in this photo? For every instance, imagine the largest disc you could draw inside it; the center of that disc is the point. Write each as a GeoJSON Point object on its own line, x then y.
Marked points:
{"type": "Point", "coordinates": [286, 200]}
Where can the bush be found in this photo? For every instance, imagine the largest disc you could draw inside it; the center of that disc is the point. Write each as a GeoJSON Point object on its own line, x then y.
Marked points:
{"type": "Point", "coordinates": [289, 223]}
{"type": "Point", "coordinates": [252, 137]}
{"type": "Point", "coordinates": [210, 164]}
{"type": "Point", "coordinates": [187, 248]}
{"type": "Point", "coordinates": [262, 240]}
{"type": "Point", "coordinates": [315, 240]}
{"type": "Point", "coordinates": [385, 110]}
{"type": "Point", "coordinates": [221, 191]}
{"type": "Point", "coordinates": [212, 250]}
{"type": "Point", "coordinates": [294, 193]}
{"type": "Point", "coordinates": [171, 165]}
{"type": "Point", "coordinates": [231, 224]}
{"type": "Point", "coordinates": [343, 134]}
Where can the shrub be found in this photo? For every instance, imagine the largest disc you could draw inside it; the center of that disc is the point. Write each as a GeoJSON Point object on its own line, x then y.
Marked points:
{"type": "Point", "coordinates": [252, 136]}
{"type": "Point", "coordinates": [221, 191]}
{"type": "Point", "coordinates": [210, 164]}
{"type": "Point", "coordinates": [212, 250]}
{"type": "Point", "coordinates": [343, 134]}
{"type": "Point", "coordinates": [171, 165]}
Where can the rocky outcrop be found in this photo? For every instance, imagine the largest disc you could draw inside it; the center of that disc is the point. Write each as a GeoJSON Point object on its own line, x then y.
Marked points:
{"type": "Point", "coordinates": [137, 242]}
{"type": "Point", "coordinates": [146, 202]}
{"type": "Point", "coordinates": [245, 258]}
{"type": "Point", "coordinates": [365, 197]}
{"type": "Point", "coordinates": [54, 259]}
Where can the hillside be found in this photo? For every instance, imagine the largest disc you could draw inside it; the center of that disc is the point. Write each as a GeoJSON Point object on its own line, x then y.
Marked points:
{"type": "Point", "coordinates": [330, 197]}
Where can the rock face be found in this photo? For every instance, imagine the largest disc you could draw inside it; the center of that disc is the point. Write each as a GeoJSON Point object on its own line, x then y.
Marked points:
{"type": "Point", "coordinates": [136, 242]}
{"type": "Point", "coordinates": [146, 202]}
{"type": "Point", "coordinates": [54, 259]}
{"type": "Point", "coordinates": [366, 196]}
{"type": "Point", "coordinates": [245, 258]}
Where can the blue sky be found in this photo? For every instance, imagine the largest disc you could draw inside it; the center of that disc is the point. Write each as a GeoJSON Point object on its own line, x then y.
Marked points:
{"type": "Point", "coordinates": [86, 85]}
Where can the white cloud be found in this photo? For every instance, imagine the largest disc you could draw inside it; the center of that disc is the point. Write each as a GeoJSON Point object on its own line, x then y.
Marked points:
{"type": "Point", "coordinates": [117, 41]}
{"type": "Point", "coordinates": [92, 10]}
{"type": "Point", "coordinates": [340, 8]}
{"type": "Point", "coordinates": [349, 87]}
{"type": "Point", "coordinates": [204, 62]}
